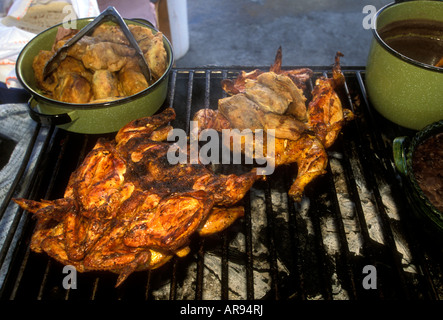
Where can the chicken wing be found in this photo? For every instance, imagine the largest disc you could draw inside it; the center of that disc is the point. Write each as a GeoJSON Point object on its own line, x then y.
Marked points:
{"type": "Point", "coordinates": [326, 115]}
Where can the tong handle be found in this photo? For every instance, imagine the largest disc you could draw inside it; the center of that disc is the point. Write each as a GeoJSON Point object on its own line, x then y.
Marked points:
{"type": "Point", "coordinates": [114, 16]}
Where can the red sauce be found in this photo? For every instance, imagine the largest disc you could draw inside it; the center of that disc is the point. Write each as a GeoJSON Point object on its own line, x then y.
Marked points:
{"type": "Point", "coordinates": [427, 165]}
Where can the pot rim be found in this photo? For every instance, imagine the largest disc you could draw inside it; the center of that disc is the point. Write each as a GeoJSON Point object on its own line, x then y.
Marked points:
{"type": "Point", "coordinates": [41, 98]}
{"type": "Point", "coordinates": [391, 50]}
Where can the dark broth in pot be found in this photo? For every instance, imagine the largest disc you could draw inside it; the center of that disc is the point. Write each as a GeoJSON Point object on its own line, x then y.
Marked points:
{"type": "Point", "coordinates": [418, 39]}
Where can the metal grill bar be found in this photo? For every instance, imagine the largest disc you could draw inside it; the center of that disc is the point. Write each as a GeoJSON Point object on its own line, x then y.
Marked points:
{"type": "Point", "coordinates": [426, 283]}
{"type": "Point", "coordinates": [9, 195]}
{"type": "Point", "coordinates": [369, 162]}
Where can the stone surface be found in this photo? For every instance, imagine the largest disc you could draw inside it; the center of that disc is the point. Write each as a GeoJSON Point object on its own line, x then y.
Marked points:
{"type": "Point", "coordinates": [249, 32]}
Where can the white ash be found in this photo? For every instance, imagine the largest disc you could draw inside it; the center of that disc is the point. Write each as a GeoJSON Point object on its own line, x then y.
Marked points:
{"type": "Point", "coordinates": [279, 210]}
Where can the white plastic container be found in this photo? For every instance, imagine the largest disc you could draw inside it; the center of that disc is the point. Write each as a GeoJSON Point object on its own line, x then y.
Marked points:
{"type": "Point", "coordinates": [178, 23]}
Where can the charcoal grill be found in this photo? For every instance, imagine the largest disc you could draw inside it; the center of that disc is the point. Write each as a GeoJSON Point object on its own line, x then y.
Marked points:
{"type": "Point", "coordinates": [354, 216]}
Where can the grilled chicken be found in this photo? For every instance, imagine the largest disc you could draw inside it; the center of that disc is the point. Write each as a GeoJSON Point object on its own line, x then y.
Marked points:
{"type": "Point", "coordinates": [126, 208]}
{"type": "Point", "coordinates": [243, 113]}
{"type": "Point", "coordinates": [267, 100]}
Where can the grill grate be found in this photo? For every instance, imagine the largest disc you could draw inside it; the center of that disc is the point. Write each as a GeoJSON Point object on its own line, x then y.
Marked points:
{"type": "Point", "coordinates": [355, 215]}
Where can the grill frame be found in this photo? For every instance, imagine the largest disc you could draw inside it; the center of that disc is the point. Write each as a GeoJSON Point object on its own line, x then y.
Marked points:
{"type": "Point", "coordinates": [363, 152]}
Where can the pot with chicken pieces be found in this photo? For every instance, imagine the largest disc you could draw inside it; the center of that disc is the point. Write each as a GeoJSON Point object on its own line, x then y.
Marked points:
{"type": "Point", "coordinates": [101, 67]}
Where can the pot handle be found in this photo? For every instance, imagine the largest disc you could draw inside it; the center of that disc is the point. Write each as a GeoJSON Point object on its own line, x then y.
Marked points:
{"type": "Point", "coordinates": [49, 119]}
{"type": "Point", "coordinates": [399, 152]}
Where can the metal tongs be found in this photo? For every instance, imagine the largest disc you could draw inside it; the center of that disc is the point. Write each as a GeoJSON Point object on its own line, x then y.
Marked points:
{"type": "Point", "coordinates": [110, 14]}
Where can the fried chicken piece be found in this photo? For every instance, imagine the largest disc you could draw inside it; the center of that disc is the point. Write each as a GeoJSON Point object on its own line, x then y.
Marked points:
{"type": "Point", "coordinates": [155, 54]}
{"type": "Point", "coordinates": [69, 83]}
{"type": "Point", "coordinates": [107, 49]}
{"type": "Point", "coordinates": [110, 33]}
{"type": "Point", "coordinates": [287, 85]}
{"type": "Point", "coordinates": [131, 78]}
{"type": "Point", "coordinates": [105, 85]}
{"type": "Point", "coordinates": [78, 49]}
{"type": "Point", "coordinates": [71, 65]}
{"type": "Point", "coordinates": [294, 100]}
{"type": "Point", "coordinates": [106, 55]}
{"type": "Point", "coordinates": [141, 33]}
{"type": "Point", "coordinates": [38, 65]}
{"type": "Point", "coordinates": [62, 35]}
{"type": "Point", "coordinates": [151, 44]}
{"type": "Point", "coordinates": [243, 113]}
{"type": "Point", "coordinates": [240, 112]}
{"type": "Point", "coordinates": [73, 88]}
{"type": "Point", "coordinates": [271, 92]}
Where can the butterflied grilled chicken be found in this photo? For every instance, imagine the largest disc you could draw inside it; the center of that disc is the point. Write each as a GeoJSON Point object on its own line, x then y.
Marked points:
{"type": "Point", "coordinates": [126, 208]}
{"type": "Point", "coordinates": [275, 100]}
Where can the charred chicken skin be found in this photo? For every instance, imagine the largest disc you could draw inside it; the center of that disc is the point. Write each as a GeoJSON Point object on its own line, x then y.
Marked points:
{"type": "Point", "coordinates": [275, 100]}
{"type": "Point", "coordinates": [126, 208]}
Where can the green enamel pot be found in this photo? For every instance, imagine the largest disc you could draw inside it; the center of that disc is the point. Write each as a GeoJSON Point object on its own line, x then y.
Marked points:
{"type": "Point", "coordinates": [403, 90]}
{"type": "Point", "coordinates": [426, 213]}
{"type": "Point", "coordinates": [93, 118]}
